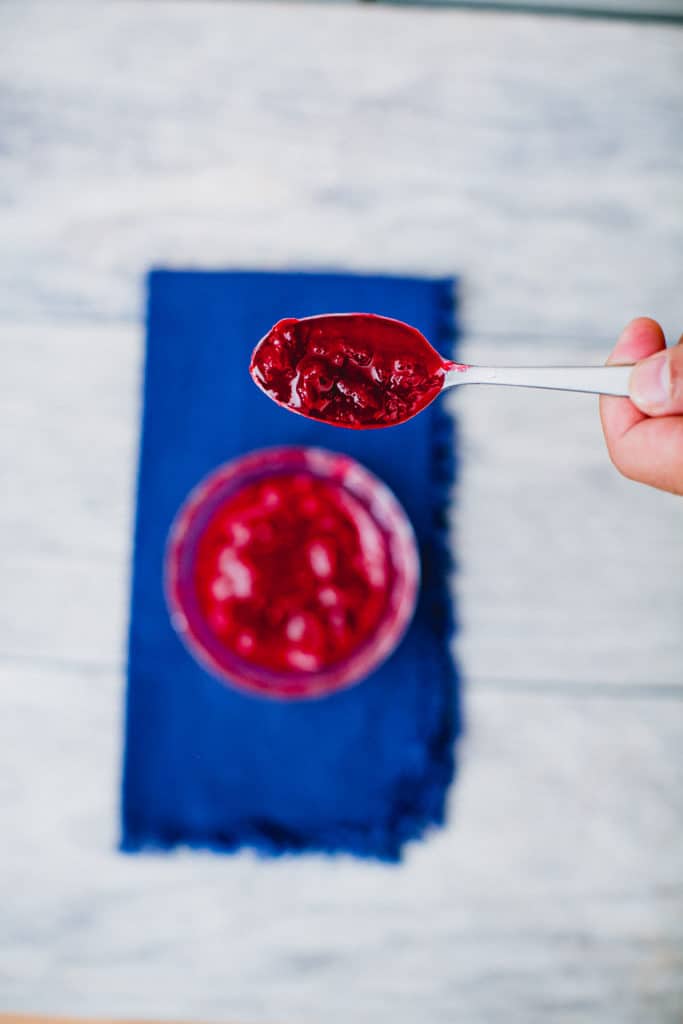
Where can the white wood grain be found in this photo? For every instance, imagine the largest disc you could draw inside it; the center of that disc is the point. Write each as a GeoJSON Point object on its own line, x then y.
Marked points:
{"type": "Point", "coordinates": [615, 8]}
{"type": "Point", "coordinates": [554, 895]}
{"type": "Point", "coordinates": [538, 158]}
{"type": "Point", "coordinates": [568, 572]}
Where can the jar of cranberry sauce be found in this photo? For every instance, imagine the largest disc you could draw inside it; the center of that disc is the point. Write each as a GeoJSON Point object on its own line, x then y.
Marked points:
{"type": "Point", "coordinates": [291, 572]}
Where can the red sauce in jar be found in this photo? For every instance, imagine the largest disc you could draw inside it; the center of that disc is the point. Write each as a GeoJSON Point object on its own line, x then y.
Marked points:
{"type": "Point", "coordinates": [352, 370]}
{"type": "Point", "coordinates": [292, 573]}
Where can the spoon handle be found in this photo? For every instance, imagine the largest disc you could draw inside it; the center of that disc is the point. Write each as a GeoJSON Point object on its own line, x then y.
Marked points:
{"type": "Point", "coordinates": [597, 380]}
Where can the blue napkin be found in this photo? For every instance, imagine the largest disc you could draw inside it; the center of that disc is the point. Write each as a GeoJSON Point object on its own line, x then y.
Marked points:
{"type": "Point", "coordinates": [361, 771]}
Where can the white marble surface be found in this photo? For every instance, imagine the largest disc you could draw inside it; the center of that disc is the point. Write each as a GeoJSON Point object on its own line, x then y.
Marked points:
{"type": "Point", "coordinates": [538, 158]}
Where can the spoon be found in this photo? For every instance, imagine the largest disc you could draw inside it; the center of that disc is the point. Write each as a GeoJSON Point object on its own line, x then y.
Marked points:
{"type": "Point", "coordinates": [361, 370]}
{"type": "Point", "coordinates": [595, 380]}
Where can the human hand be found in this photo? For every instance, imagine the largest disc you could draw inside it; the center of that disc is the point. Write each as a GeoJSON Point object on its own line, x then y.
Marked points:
{"type": "Point", "coordinates": [644, 433]}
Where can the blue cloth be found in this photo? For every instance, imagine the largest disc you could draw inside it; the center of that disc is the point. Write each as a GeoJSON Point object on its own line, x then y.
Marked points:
{"type": "Point", "coordinates": [363, 770]}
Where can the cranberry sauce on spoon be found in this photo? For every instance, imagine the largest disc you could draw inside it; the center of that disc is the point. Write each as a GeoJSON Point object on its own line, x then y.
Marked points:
{"type": "Point", "coordinates": [354, 370]}
{"type": "Point", "coordinates": [360, 370]}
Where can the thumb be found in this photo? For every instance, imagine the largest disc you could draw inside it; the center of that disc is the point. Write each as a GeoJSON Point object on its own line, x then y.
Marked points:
{"type": "Point", "coordinates": [656, 385]}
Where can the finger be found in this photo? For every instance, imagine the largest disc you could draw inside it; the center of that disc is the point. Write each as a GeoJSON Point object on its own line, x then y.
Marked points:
{"type": "Point", "coordinates": [656, 385]}
{"type": "Point", "coordinates": [652, 452]}
{"type": "Point", "coordinates": [640, 339]}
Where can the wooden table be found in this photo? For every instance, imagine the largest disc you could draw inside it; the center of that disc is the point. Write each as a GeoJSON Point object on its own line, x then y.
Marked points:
{"type": "Point", "coordinates": [541, 160]}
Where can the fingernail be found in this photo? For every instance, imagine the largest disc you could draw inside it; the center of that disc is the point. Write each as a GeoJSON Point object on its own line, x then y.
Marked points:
{"type": "Point", "coordinates": [650, 384]}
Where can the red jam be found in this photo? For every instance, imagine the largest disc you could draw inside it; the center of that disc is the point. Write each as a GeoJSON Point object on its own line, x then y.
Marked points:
{"type": "Point", "coordinates": [291, 572]}
{"type": "Point", "coordinates": [352, 370]}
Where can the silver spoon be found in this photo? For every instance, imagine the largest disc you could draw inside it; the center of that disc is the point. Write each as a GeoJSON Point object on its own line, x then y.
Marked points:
{"type": "Point", "coordinates": [360, 370]}
{"type": "Point", "coordinates": [597, 380]}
